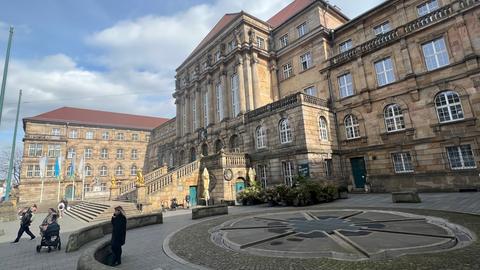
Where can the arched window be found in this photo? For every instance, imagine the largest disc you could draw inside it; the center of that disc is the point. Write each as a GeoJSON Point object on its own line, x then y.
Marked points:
{"type": "Point", "coordinates": [323, 129]}
{"type": "Point", "coordinates": [181, 157]}
{"type": "Point", "coordinates": [133, 170]}
{"type": "Point", "coordinates": [218, 145]}
{"type": "Point", "coordinates": [352, 127]}
{"type": "Point", "coordinates": [88, 170]}
{"type": "Point", "coordinates": [285, 131]}
{"type": "Point", "coordinates": [261, 137]}
{"type": "Point", "coordinates": [193, 154]}
{"type": "Point", "coordinates": [394, 118]}
{"type": "Point", "coordinates": [204, 149]}
{"type": "Point", "coordinates": [449, 107]}
{"type": "Point", "coordinates": [235, 144]}
{"type": "Point", "coordinates": [119, 170]}
{"type": "Point", "coordinates": [103, 171]}
{"type": "Point", "coordinates": [170, 160]}
{"type": "Point", "coordinates": [160, 160]}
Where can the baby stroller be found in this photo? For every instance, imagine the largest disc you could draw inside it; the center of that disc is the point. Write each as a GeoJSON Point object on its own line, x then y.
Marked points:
{"type": "Point", "coordinates": [51, 238]}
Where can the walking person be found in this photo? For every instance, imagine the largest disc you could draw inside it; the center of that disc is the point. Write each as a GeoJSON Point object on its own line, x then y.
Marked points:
{"type": "Point", "coordinates": [48, 219]}
{"type": "Point", "coordinates": [119, 230]}
{"type": "Point", "coordinates": [61, 207]}
{"type": "Point", "coordinates": [187, 200]}
{"type": "Point", "coordinates": [28, 216]}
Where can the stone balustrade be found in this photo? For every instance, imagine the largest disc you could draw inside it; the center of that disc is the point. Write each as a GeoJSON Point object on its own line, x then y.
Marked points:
{"type": "Point", "coordinates": [178, 174]}
{"type": "Point", "coordinates": [128, 187]}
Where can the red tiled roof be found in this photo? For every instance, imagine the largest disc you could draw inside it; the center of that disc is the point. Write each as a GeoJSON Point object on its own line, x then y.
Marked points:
{"type": "Point", "coordinates": [98, 118]}
{"type": "Point", "coordinates": [288, 11]}
{"type": "Point", "coordinates": [224, 21]}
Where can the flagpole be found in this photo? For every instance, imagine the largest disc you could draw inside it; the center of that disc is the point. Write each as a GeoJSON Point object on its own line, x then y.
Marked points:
{"type": "Point", "coordinates": [5, 71]}
{"type": "Point", "coordinates": [83, 187]}
{"type": "Point", "coordinates": [12, 154]}
{"type": "Point", "coordinates": [72, 174]}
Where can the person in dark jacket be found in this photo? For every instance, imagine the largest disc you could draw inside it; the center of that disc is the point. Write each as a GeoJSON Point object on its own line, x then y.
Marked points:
{"type": "Point", "coordinates": [27, 216]}
{"type": "Point", "coordinates": [119, 230]}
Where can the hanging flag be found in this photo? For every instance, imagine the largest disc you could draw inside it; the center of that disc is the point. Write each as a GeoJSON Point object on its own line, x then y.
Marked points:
{"type": "Point", "coordinates": [58, 167]}
{"type": "Point", "coordinates": [81, 165]}
{"type": "Point", "coordinates": [43, 164]}
{"type": "Point", "coordinates": [72, 167]}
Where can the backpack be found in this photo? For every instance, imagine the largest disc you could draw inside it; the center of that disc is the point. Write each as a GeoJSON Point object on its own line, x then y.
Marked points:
{"type": "Point", "coordinates": [26, 218]}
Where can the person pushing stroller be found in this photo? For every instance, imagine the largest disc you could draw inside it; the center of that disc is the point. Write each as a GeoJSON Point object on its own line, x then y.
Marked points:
{"type": "Point", "coordinates": [50, 235]}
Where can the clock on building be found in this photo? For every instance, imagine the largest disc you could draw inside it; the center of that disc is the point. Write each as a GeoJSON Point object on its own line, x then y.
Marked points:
{"type": "Point", "coordinates": [228, 174]}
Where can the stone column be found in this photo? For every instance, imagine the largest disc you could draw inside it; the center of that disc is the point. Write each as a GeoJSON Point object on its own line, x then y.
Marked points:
{"type": "Point", "coordinates": [241, 86]}
{"type": "Point", "coordinates": [225, 95]}
{"type": "Point", "coordinates": [186, 102]}
{"type": "Point", "coordinates": [255, 83]}
{"type": "Point", "coordinates": [247, 71]}
{"type": "Point", "coordinates": [406, 58]}
{"type": "Point", "coordinates": [211, 100]}
{"type": "Point", "coordinates": [179, 124]}
{"type": "Point", "coordinates": [141, 194]}
{"type": "Point", "coordinates": [198, 102]}
{"type": "Point", "coordinates": [274, 80]}
{"type": "Point", "coordinates": [114, 192]}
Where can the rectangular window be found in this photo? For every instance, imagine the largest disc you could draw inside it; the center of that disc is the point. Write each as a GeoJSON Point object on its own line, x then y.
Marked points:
{"type": "Point", "coordinates": [262, 173]}
{"type": "Point", "coordinates": [231, 46]}
{"type": "Point", "coordinates": [284, 41]}
{"type": "Point", "coordinates": [35, 150]}
{"type": "Point", "coordinates": [328, 164]}
{"type": "Point", "coordinates": [103, 171]}
{"type": "Point", "coordinates": [260, 43]}
{"type": "Point", "coordinates": [71, 152]}
{"type": "Point", "coordinates": [50, 170]}
{"type": "Point", "coordinates": [105, 135]}
{"type": "Point", "coordinates": [89, 135]}
{"type": "Point", "coordinates": [402, 162]}
{"type": "Point", "coordinates": [435, 54]}
{"type": "Point", "coordinates": [86, 188]}
{"type": "Point", "coordinates": [119, 153]}
{"type": "Point", "coordinates": [288, 173]}
{"type": "Point", "coordinates": [287, 70]}
{"type": "Point", "coordinates": [30, 170]}
{"type": "Point", "coordinates": [384, 70]}
{"type": "Point", "coordinates": [345, 46]}
{"type": "Point", "coordinates": [55, 131]}
{"type": "Point", "coordinates": [302, 29]}
{"type": "Point", "coordinates": [184, 118]}
{"type": "Point", "coordinates": [345, 84]}
{"type": "Point", "coordinates": [306, 61]}
{"type": "Point", "coordinates": [461, 157]}
{"type": "Point", "coordinates": [427, 7]}
{"type": "Point", "coordinates": [312, 91]}
{"type": "Point", "coordinates": [206, 106]}
{"type": "Point", "coordinates": [54, 150]}
{"type": "Point", "coordinates": [218, 55]}
{"type": "Point", "coordinates": [194, 112]}
{"type": "Point", "coordinates": [120, 136]}
{"type": "Point", "coordinates": [134, 154]}
{"type": "Point", "coordinates": [219, 99]}
{"type": "Point", "coordinates": [147, 138]}
{"type": "Point", "coordinates": [382, 28]}
{"type": "Point", "coordinates": [104, 153]}
{"type": "Point", "coordinates": [73, 134]}
{"type": "Point", "coordinates": [235, 95]}
{"type": "Point", "coordinates": [88, 153]}
{"type": "Point", "coordinates": [134, 137]}
{"type": "Point", "coordinates": [103, 186]}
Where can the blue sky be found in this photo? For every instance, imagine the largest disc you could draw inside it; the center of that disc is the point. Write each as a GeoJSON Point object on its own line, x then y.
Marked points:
{"type": "Point", "coordinates": [113, 55]}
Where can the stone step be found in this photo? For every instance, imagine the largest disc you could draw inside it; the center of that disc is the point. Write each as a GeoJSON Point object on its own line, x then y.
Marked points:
{"type": "Point", "coordinates": [83, 212]}
{"type": "Point", "coordinates": [95, 204]}
{"type": "Point", "coordinates": [90, 209]}
{"type": "Point", "coordinates": [77, 216]}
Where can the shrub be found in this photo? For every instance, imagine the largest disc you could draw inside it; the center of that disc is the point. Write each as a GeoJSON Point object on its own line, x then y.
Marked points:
{"type": "Point", "coordinates": [251, 195]}
{"type": "Point", "coordinates": [304, 192]}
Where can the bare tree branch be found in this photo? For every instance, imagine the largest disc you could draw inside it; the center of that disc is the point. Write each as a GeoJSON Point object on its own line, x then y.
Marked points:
{"type": "Point", "coordinates": [17, 165]}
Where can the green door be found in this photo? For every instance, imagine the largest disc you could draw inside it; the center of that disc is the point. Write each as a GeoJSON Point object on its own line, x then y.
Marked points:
{"type": "Point", "coordinates": [359, 172]}
{"type": "Point", "coordinates": [193, 196]}
{"type": "Point", "coordinates": [239, 186]}
{"type": "Point", "coordinates": [68, 192]}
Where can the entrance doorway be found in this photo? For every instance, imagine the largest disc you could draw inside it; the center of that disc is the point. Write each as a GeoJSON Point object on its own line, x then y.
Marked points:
{"type": "Point", "coordinates": [193, 195]}
{"type": "Point", "coordinates": [68, 192]}
{"type": "Point", "coordinates": [359, 171]}
{"type": "Point", "coordinates": [239, 186]}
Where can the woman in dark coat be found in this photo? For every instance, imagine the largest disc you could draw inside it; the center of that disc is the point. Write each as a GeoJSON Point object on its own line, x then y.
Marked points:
{"type": "Point", "coordinates": [119, 223]}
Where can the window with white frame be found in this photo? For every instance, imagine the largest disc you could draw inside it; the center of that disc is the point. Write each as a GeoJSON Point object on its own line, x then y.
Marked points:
{"type": "Point", "coordinates": [206, 106]}
{"type": "Point", "coordinates": [54, 150]}
{"type": "Point", "coordinates": [104, 153]}
{"type": "Point", "coordinates": [285, 131]}
{"type": "Point", "coordinates": [103, 186]}
{"type": "Point", "coordinates": [88, 170]}
{"type": "Point", "coordinates": [284, 41]}
{"type": "Point", "coordinates": [218, 55]}
{"type": "Point", "coordinates": [50, 170]}
{"type": "Point", "coordinates": [194, 112]}
{"type": "Point", "coordinates": [448, 106]}
{"type": "Point", "coordinates": [427, 7]}
{"type": "Point", "coordinates": [288, 173]}
{"type": "Point", "coordinates": [461, 157]}
{"type": "Point", "coordinates": [219, 101]}
{"type": "Point", "coordinates": [262, 173]}
{"type": "Point", "coordinates": [89, 135]}
{"type": "Point", "coordinates": [103, 171]}
{"type": "Point", "coordinates": [133, 170]}
{"type": "Point", "coordinates": [345, 46]}
{"type": "Point", "coordinates": [384, 70]}
{"type": "Point", "coordinates": [35, 150]}
{"type": "Point", "coordinates": [261, 137]}
{"type": "Point", "coordinates": [402, 162]}
{"type": "Point", "coordinates": [147, 138]}
{"type": "Point", "coordinates": [88, 152]}
{"type": "Point", "coordinates": [311, 90]}
{"type": "Point", "coordinates": [86, 188]}
{"type": "Point", "coordinates": [352, 127]}
{"type": "Point", "coordinates": [231, 45]}
{"type": "Point", "coordinates": [120, 136]}
{"type": "Point", "coordinates": [260, 43]}
{"type": "Point", "coordinates": [287, 70]}
{"type": "Point", "coordinates": [71, 152]}
{"type": "Point", "coordinates": [170, 159]}
{"type": "Point", "coordinates": [302, 29]}
{"type": "Point", "coordinates": [134, 154]}
{"type": "Point", "coordinates": [435, 54]}
{"type": "Point", "coordinates": [323, 128]}
{"type": "Point", "coordinates": [119, 154]}
{"type": "Point", "coordinates": [394, 118]}
{"type": "Point", "coordinates": [345, 85]}
{"type": "Point", "coordinates": [328, 167]}
{"type": "Point", "coordinates": [119, 170]}
{"type": "Point", "coordinates": [382, 28]}
{"type": "Point", "coordinates": [33, 170]}
{"type": "Point", "coordinates": [135, 137]}
{"type": "Point", "coordinates": [306, 60]}
{"type": "Point", "coordinates": [55, 131]}
{"type": "Point", "coordinates": [73, 134]}
{"type": "Point", "coordinates": [105, 135]}
{"type": "Point", "coordinates": [235, 95]}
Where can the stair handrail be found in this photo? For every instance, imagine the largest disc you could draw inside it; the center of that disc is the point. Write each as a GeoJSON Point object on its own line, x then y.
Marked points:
{"type": "Point", "coordinates": [128, 187]}
{"type": "Point", "coordinates": [180, 173]}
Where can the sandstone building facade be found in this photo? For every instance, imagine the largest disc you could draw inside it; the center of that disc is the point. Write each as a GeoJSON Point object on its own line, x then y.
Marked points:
{"type": "Point", "coordinates": [390, 98]}
{"type": "Point", "coordinates": [111, 144]}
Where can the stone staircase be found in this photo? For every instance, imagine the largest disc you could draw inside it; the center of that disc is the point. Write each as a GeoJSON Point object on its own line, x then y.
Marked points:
{"type": "Point", "coordinates": [91, 212]}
